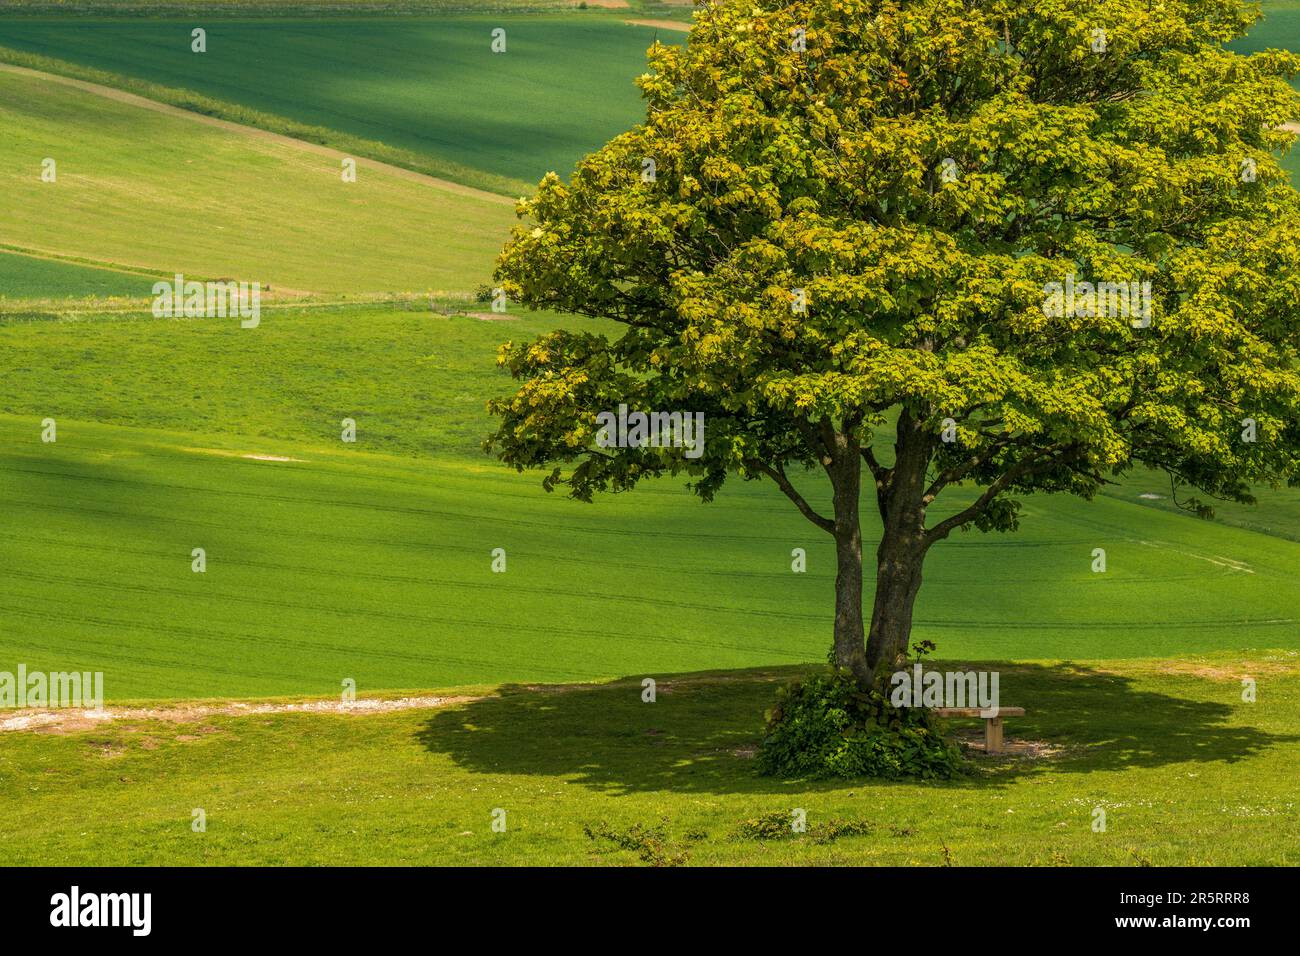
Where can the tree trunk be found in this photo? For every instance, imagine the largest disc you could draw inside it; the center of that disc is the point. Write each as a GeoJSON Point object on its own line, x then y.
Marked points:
{"type": "Point", "coordinates": [898, 578]}
{"type": "Point", "coordinates": [850, 650]}
{"type": "Point", "coordinates": [902, 549]}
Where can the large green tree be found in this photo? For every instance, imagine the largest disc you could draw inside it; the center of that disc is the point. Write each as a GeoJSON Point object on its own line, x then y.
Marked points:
{"type": "Point", "coordinates": [846, 224]}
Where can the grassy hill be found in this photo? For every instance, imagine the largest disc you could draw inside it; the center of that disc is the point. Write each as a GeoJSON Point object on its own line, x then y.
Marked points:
{"type": "Point", "coordinates": [150, 189]}
{"type": "Point", "coordinates": [365, 559]}
{"type": "Point", "coordinates": [429, 87]}
{"type": "Point", "coordinates": [372, 561]}
{"type": "Point", "coordinates": [361, 561]}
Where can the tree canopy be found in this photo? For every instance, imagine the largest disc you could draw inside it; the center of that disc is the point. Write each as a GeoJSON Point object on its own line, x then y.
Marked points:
{"type": "Point", "coordinates": [848, 224]}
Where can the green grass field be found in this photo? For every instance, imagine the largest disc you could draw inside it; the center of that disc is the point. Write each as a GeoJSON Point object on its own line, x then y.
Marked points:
{"type": "Point", "coordinates": [373, 561]}
{"type": "Point", "coordinates": [361, 561]}
{"type": "Point", "coordinates": [432, 87]}
{"type": "Point", "coordinates": [147, 189]}
{"type": "Point", "coordinates": [1186, 773]}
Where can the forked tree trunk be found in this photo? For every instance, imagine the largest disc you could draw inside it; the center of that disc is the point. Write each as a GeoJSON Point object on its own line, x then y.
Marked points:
{"type": "Point", "coordinates": [898, 560]}
{"type": "Point", "coordinates": [898, 579]}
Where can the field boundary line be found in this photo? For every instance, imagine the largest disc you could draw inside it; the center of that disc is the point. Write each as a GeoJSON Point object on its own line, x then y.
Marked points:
{"type": "Point", "coordinates": [10, 249]}
{"type": "Point", "coordinates": [253, 132]}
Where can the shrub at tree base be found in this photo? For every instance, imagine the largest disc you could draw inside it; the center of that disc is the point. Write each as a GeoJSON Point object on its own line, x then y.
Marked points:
{"type": "Point", "coordinates": [828, 726]}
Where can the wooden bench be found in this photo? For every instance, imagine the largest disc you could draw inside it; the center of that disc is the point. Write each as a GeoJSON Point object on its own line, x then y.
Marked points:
{"type": "Point", "coordinates": [992, 725]}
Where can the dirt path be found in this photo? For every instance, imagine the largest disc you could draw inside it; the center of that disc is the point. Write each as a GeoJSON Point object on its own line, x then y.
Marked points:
{"type": "Point", "coordinates": [1292, 128]}
{"type": "Point", "coordinates": [662, 24]}
{"type": "Point", "coordinates": [74, 719]}
{"type": "Point", "coordinates": [252, 132]}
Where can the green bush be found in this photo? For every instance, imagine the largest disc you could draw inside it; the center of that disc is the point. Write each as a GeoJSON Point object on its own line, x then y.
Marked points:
{"type": "Point", "coordinates": [828, 726]}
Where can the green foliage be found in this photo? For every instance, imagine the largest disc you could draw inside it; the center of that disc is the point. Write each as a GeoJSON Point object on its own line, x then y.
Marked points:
{"type": "Point", "coordinates": [777, 826]}
{"type": "Point", "coordinates": [822, 170]}
{"type": "Point", "coordinates": [826, 725]}
{"type": "Point", "coordinates": [857, 215]}
{"type": "Point", "coordinates": [769, 826]}
{"type": "Point", "coordinates": [650, 843]}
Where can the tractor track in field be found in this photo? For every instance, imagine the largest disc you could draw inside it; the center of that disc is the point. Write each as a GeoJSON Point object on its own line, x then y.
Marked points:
{"type": "Point", "coordinates": [73, 719]}
{"type": "Point", "coordinates": [64, 720]}
{"type": "Point", "coordinates": [252, 132]}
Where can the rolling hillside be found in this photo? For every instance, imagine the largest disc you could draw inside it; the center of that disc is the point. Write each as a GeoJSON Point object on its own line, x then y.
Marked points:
{"type": "Point", "coordinates": [373, 560]}
{"type": "Point", "coordinates": [434, 88]}
{"type": "Point", "coordinates": [161, 191]}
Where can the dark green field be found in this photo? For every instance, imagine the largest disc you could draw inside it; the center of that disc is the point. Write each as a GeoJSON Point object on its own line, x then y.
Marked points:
{"type": "Point", "coordinates": [434, 87]}
{"type": "Point", "coordinates": [27, 277]}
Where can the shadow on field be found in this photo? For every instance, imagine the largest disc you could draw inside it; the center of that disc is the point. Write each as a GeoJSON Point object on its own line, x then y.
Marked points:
{"type": "Point", "coordinates": [702, 732]}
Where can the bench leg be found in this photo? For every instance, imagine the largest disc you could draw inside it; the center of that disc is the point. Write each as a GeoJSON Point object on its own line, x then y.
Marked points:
{"type": "Point", "coordinates": [993, 735]}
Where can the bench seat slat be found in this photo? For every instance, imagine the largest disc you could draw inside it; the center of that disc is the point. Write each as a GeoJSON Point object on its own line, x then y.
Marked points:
{"type": "Point", "coordinates": [975, 712]}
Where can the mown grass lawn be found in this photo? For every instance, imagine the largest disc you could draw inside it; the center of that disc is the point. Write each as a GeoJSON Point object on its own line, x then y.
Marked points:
{"type": "Point", "coordinates": [1186, 773]}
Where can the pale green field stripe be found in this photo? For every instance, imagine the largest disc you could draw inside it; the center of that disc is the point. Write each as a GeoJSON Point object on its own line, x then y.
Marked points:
{"type": "Point", "coordinates": [131, 99]}
{"type": "Point", "coordinates": [158, 190]}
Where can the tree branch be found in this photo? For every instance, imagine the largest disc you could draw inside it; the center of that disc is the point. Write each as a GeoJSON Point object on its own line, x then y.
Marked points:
{"type": "Point", "coordinates": [877, 469]}
{"type": "Point", "coordinates": [777, 474]}
{"type": "Point", "coordinates": [959, 471]}
{"type": "Point", "coordinates": [999, 485]}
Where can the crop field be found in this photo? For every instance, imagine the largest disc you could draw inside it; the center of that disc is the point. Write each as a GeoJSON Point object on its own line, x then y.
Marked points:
{"type": "Point", "coordinates": [322, 568]}
{"type": "Point", "coordinates": [150, 189]}
{"type": "Point", "coordinates": [413, 564]}
{"type": "Point", "coordinates": [24, 278]}
{"type": "Point", "coordinates": [373, 560]}
{"type": "Point", "coordinates": [563, 87]}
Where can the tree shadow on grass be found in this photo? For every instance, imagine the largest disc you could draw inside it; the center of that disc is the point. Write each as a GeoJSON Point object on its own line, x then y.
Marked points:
{"type": "Point", "coordinates": [701, 734]}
